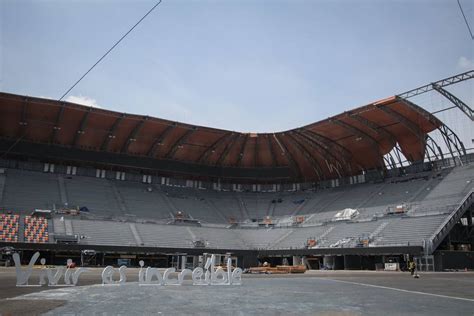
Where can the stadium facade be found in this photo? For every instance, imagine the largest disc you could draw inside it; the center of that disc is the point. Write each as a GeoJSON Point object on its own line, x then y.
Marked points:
{"type": "Point", "coordinates": [104, 187]}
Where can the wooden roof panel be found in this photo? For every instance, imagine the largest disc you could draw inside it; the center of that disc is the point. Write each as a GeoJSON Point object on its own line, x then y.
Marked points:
{"type": "Point", "coordinates": [356, 139]}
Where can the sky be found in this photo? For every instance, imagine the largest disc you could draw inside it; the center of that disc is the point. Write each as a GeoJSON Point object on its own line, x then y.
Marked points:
{"type": "Point", "coordinates": [248, 66]}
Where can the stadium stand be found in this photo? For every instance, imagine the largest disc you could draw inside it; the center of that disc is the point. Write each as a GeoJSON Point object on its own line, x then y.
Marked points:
{"type": "Point", "coordinates": [164, 236]}
{"type": "Point", "coordinates": [262, 238]}
{"type": "Point", "coordinates": [26, 190]}
{"type": "Point", "coordinates": [36, 229]}
{"type": "Point", "coordinates": [143, 201]}
{"type": "Point", "coordinates": [209, 206]}
{"type": "Point", "coordinates": [296, 238]}
{"type": "Point", "coordinates": [95, 194]}
{"type": "Point", "coordinates": [103, 233]}
{"type": "Point", "coordinates": [408, 230]}
{"type": "Point", "coordinates": [9, 227]}
{"type": "Point", "coordinates": [219, 238]}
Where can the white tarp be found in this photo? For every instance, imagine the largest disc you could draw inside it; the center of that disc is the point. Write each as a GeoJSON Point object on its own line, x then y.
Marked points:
{"type": "Point", "coordinates": [346, 214]}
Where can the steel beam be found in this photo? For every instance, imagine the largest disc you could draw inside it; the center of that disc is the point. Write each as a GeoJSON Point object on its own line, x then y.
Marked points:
{"type": "Point", "coordinates": [289, 157]}
{"type": "Point", "coordinates": [456, 101]}
{"type": "Point", "coordinates": [255, 156]}
{"type": "Point", "coordinates": [433, 146]}
{"type": "Point", "coordinates": [324, 152]}
{"type": "Point", "coordinates": [56, 127]}
{"type": "Point", "coordinates": [328, 143]}
{"type": "Point", "coordinates": [392, 160]}
{"type": "Point", "coordinates": [82, 127]}
{"type": "Point", "coordinates": [110, 135]}
{"type": "Point", "coordinates": [24, 113]}
{"type": "Point", "coordinates": [272, 151]}
{"type": "Point", "coordinates": [354, 130]}
{"type": "Point", "coordinates": [412, 127]}
{"type": "Point", "coordinates": [427, 115]}
{"type": "Point", "coordinates": [452, 142]}
{"type": "Point", "coordinates": [227, 149]}
{"type": "Point", "coordinates": [441, 83]}
{"type": "Point", "coordinates": [309, 157]}
{"type": "Point", "coordinates": [24, 118]}
{"type": "Point", "coordinates": [389, 162]}
{"type": "Point", "coordinates": [159, 140]}
{"type": "Point", "coordinates": [373, 127]}
{"type": "Point", "coordinates": [242, 149]}
{"type": "Point", "coordinates": [132, 137]}
{"type": "Point", "coordinates": [398, 153]}
{"type": "Point", "coordinates": [342, 153]}
{"type": "Point", "coordinates": [205, 155]}
{"type": "Point", "coordinates": [179, 142]}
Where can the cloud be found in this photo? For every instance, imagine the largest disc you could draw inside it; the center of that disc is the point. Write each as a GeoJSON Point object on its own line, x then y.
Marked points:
{"type": "Point", "coordinates": [82, 100]}
{"type": "Point", "coordinates": [465, 63]}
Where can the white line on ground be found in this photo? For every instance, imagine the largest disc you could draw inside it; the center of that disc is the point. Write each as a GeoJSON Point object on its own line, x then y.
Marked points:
{"type": "Point", "coordinates": [402, 290]}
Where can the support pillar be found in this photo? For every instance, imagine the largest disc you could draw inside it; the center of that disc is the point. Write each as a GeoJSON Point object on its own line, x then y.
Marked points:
{"type": "Point", "coordinates": [328, 262]}
{"type": "Point", "coordinates": [297, 260]}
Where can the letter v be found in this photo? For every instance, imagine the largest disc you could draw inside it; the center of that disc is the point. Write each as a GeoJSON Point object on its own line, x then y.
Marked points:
{"type": "Point", "coordinates": [22, 276]}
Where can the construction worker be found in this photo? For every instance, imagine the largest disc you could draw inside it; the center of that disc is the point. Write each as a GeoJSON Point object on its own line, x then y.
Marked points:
{"type": "Point", "coordinates": [412, 267]}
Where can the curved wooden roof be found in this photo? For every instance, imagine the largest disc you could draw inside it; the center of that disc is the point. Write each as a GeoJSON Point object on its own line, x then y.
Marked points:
{"type": "Point", "coordinates": [338, 146]}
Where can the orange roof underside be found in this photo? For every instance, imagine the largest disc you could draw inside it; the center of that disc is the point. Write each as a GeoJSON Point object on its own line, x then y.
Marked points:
{"type": "Point", "coordinates": [341, 145]}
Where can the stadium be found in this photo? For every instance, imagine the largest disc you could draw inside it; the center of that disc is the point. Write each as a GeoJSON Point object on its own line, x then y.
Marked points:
{"type": "Point", "coordinates": [328, 218]}
{"type": "Point", "coordinates": [331, 194]}
{"type": "Point", "coordinates": [107, 188]}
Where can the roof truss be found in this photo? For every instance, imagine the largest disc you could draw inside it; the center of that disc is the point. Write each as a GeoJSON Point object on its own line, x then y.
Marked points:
{"type": "Point", "coordinates": [227, 149]}
{"type": "Point", "coordinates": [255, 157]}
{"type": "Point", "coordinates": [403, 120]}
{"type": "Point", "coordinates": [82, 128]}
{"type": "Point", "coordinates": [441, 83]}
{"type": "Point", "coordinates": [57, 124]}
{"type": "Point", "coordinates": [313, 162]}
{"type": "Point", "coordinates": [427, 115]}
{"type": "Point", "coordinates": [178, 143]}
{"type": "Point", "coordinates": [272, 150]}
{"type": "Point", "coordinates": [289, 156]}
{"type": "Point", "coordinates": [24, 118]}
{"type": "Point", "coordinates": [456, 101]}
{"type": "Point", "coordinates": [333, 162]}
{"type": "Point", "coordinates": [210, 149]}
{"type": "Point", "coordinates": [110, 135]}
{"type": "Point", "coordinates": [242, 149]}
{"type": "Point", "coordinates": [328, 143]}
{"type": "Point", "coordinates": [24, 113]}
{"type": "Point", "coordinates": [373, 127]}
{"type": "Point", "coordinates": [159, 140]}
{"type": "Point", "coordinates": [133, 135]}
{"type": "Point", "coordinates": [354, 130]}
